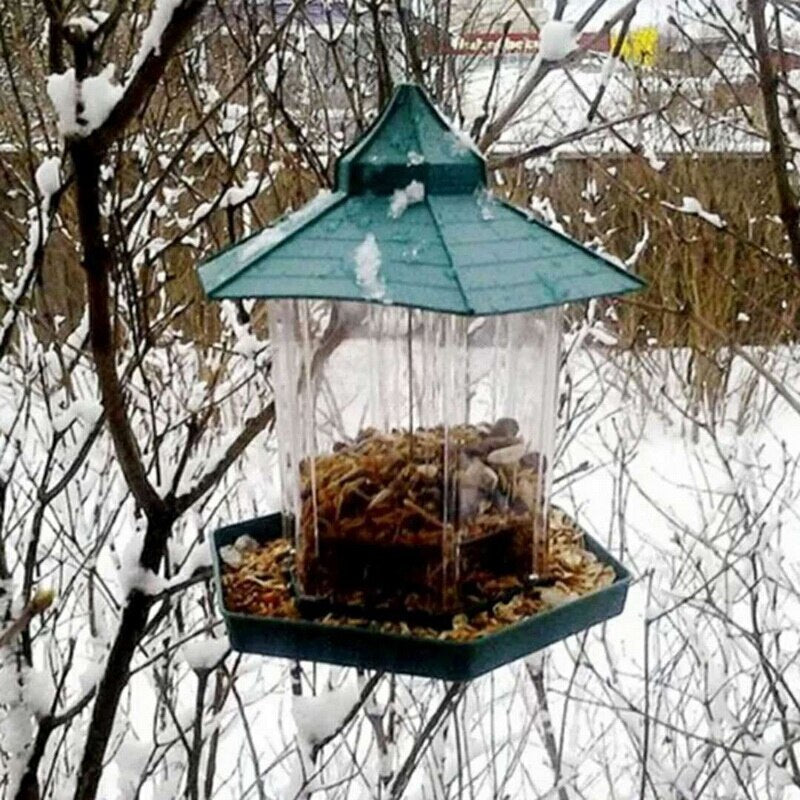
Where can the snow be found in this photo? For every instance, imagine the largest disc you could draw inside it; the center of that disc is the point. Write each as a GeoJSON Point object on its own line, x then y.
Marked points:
{"type": "Point", "coordinates": [200, 212]}
{"type": "Point", "coordinates": [38, 692]}
{"type": "Point", "coordinates": [204, 652]}
{"type": "Point", "coordinates": [461, 144]}
{"type": "Point", "coordinates": [656, 163]}
{"type": "Point", "coordinates": [62, 91]}
{"type": "Point", "coordinates": [262, 241]}
{"type": "Point", "coordinates": [666, 459]}
{"type": "Point", "coordinates": [132, 576]}
{"type": "Point", "coordinates": [414, 159]}
{"type": "Point", "coordinates": [87, 411]}
{"type": "Point", "coordinates": [237, 195]}
{"type": "Point", "coordinates": [91, 653]}
{"type": "Point", "coordinates": [535, 661]}
{"type": "Point", "coordinates": [386, 761]}
{"type": "Point", "coordinates": [90, 22]}
{"type": "Point", "coordinates": [640, 247]}
{"type": "Point", "coordinates": [485, 200]}
{"type": "Point", "coordinates": [48, 176]}
{"type": "Point", "coordinates": [271, 73]}
{"type": "Point", "coordinates": [556, 40]}
{"type": "Point", "coordinates": [658, 535]}
{"type": "Point", "coordinates": [137, 578]}
{"type": "Point", "coordinates": [609, 66]}
{"type": "Point", "coordinates": [693, 207]}
{"type": "Point", "coordinates": [130, 760]}
{"type": "Point", "coordinates": [367, 259]}
{"type": "Point", "coordinates": [603, 336]}
{"type": "Point", "coordinates": [17, 735]}
{"type": "Point", "coordinates": [234, 115]}
{"type": "Point", "coordinates": [403, 198]}
{"type": "Point", "coordinates": [319, 716]}
{"type": "Point", "coordinates": [151, 37]}
{"type": "Point", "coordinates": [97, 94]}
{"type": "Point", "coordinates": [90, 675]}
{"type": "Point", "coordinates": [199, 558]}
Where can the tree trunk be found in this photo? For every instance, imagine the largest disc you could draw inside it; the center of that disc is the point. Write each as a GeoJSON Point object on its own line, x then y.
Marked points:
{"type": "Point", "coordinates": [109, 691]}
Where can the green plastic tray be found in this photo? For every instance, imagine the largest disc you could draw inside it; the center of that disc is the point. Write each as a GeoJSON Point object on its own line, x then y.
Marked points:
{"type": "Point", "coordinates": [370, 648]}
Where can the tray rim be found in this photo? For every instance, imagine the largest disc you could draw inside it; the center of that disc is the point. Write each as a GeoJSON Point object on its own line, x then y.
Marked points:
{"type": "Point", "coordinates": [622, 581]}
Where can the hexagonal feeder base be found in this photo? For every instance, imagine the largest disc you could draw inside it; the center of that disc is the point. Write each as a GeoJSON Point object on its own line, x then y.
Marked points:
{"type": "Point", "coordinates": [310, 640]}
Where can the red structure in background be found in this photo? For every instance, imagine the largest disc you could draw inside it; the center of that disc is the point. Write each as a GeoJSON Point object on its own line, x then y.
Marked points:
{"type": "Point", "coordinates": [472, 43]}
{"type": "Point", "coordinates": [484, 43]}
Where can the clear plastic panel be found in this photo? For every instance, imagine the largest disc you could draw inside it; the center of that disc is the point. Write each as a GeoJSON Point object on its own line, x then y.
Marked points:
{"type": "Point", "coordinates": [513, 384]}
{"type": "Point", "coordinates": [415, 451]}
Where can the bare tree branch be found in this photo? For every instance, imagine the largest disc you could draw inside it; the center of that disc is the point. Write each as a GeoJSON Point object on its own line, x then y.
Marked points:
{"type": "Point", "coordinates": [789, 211]}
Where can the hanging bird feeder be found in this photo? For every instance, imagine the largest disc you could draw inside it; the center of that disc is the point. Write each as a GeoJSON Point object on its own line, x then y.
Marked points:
{"type": "Point", "coordinates": [416, 331]}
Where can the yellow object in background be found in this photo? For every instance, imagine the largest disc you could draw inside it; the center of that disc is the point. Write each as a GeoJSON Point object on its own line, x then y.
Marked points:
{"type": "Point", "coordinates": [639, 47]}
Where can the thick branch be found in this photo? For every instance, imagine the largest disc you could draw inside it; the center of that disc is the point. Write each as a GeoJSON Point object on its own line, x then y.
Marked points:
{"type": "Point", "coordinates": [109, 691]}
{"type": "Point", "coordinates": [97, 261]}
{"type": "Point", "coordinates": [768, 81]}
{"type": "Point", "coordinates": [133, 625]}
{"type": "Point", "coordinates": [29, 784]}
{"type": "Point", "coordinates": [149, 72]}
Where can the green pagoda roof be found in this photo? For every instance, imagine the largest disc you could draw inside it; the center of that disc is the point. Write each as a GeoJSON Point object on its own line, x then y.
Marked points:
{"type": "Point", "coordinates": [410, 222]}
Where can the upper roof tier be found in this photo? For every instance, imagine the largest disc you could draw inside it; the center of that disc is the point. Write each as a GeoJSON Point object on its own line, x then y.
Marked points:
{"type": "Point", "coordinates": [409, 141]}
{"type": "Point", "coordinates": [410, 223]}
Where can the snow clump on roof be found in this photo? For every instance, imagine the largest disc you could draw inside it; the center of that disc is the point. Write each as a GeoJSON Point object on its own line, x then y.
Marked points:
{"type": "Point", "coordinates": [403, 198]}
{"type": "Point", "coordinates": [368, 267]}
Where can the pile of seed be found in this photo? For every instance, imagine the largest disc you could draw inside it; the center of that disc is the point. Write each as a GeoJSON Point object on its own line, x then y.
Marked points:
{"type": "Point", "coordinates": [398, 488]}
{"type": "Point", "coordinates": [255, 582]}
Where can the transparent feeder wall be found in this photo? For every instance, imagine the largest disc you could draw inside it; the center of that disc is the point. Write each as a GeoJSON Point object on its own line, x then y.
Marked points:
{"type": "Point", "coordinates": [415, 449]}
